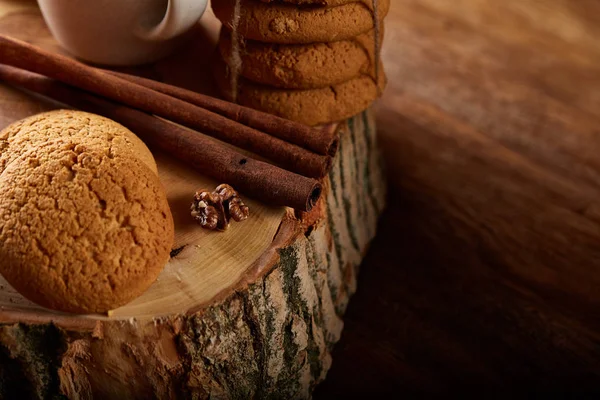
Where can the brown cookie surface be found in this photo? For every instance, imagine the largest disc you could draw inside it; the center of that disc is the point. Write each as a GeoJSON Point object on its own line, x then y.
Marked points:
{"type": "Point", "coordinates": [321, 3]}
{"type": "Point", "coordinates": [311, 107]}
{"type": "Point", "coordinates": [82, 231]}
{"type": "Point", "coordinates": [303, 66]}
{"type": "Point", "coordinates": [86, 226]}
{"type": "Point", "coordinates": [290, 24]}
{"type": "Point", "coordinates": [69, 125]}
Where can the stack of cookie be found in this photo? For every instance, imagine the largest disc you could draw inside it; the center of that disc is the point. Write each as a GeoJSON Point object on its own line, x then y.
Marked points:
{"type": "Point", "coordinates": [311, 61]}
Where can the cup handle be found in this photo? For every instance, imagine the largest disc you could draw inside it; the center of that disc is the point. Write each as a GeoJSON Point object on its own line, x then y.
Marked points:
{"type": "Point", "coordinates": [181, 15]}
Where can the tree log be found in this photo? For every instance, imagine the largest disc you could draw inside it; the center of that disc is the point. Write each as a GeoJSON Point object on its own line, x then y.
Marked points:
{"type": "Point", "coordinates": [269, 335]}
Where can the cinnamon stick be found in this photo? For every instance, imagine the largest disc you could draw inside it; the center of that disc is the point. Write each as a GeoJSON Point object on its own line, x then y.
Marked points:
{"type": "Point", "coordinates": [324, 140]}
{"type": "Point", "coordinates": [254, 178]}
{"type": "Point", "coordinates": [295, 158]}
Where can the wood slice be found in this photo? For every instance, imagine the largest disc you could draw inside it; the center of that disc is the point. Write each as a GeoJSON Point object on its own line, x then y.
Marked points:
{"type": "Point", "coordinates": [252, 312]}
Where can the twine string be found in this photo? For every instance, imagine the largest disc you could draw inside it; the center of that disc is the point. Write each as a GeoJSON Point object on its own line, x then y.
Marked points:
{"type": "Point", "coordinates": [235, 62]}
{"type": "Point", "coordinates": [377, 26]}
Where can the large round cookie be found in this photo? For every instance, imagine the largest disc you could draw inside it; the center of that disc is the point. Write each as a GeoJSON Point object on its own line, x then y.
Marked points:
{"type": "Point", "coordinates": [310, 107]}
{"type": "Point", "coordinates": [288, 24]}
{"type": "Point", "coordinates": [304, 66]}
{"type": "Point", "coordinates": [82, 231]}
{"type": "Point", "coordinates": [68, 125]}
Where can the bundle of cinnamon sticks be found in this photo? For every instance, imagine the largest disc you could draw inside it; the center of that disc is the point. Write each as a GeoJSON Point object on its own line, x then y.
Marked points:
{"type": "Point", "coordinates": [298, 154]}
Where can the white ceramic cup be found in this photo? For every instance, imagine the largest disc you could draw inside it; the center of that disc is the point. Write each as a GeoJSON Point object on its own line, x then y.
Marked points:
{"type": "Point", "coordinates": [120, 32]}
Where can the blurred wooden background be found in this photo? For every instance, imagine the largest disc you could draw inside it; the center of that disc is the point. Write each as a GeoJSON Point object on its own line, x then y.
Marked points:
{"type": "Point", "coordinates": [486, 272]}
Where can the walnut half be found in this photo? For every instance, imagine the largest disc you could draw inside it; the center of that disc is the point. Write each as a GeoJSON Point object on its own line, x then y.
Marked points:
{"type": "Point", "coordinates": [213, 210]}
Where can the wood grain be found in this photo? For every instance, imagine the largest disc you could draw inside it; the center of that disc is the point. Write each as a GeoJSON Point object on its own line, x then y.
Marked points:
{"type": "Point", "coordinates": [486, 271]}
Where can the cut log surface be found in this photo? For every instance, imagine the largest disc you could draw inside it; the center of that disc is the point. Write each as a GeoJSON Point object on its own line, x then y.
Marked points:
{"type": "Point", "coordinates": [250, 313]}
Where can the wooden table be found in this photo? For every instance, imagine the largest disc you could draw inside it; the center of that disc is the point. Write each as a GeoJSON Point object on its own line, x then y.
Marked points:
{"type": "Point", "coordinates": [486, 271]}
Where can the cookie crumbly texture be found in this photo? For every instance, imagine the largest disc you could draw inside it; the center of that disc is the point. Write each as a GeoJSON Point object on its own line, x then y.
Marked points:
{"type": "Point", "coordinates": [82, 231]}
{"type": "Point", "coordinates": [311, 107]}
{"type": "Point", "coordinates": [69, 125]}
{"type": "Point", "coordinates": [290, 24]}
{"type": "Point", "coordinates": [304, 66]}
{"type": "Point", "coordinates": [86, 226]}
